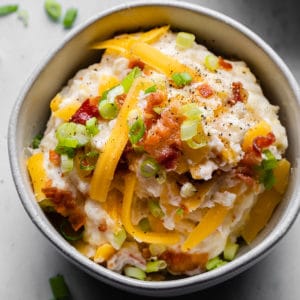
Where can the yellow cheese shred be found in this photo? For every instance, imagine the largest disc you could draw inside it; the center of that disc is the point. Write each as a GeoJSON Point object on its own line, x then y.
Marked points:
{"type": "Point", "coordinates": [109, 158]}
{"type": "Point", "coordinates": [163, 238]}
{"type": "Point", "coordinates": [208, 224]}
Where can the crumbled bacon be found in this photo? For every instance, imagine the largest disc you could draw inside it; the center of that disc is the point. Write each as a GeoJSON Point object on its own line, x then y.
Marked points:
{"type": "Point", "coordinates": [239, 94]}
{"type": "Point", "coordinates": [179, 263]}
{"type": "Point", "coordinates": [120, 100]}
{"type": "Point", "coordinates": [102, 226]}
{"type": "Point", "coordinates": [245, 173]}
{"type": "Point", "coordinates": [168, 157]}
{"type": "Point", "coordinates": [77, 219]}
{"type": "Point", "coordinates": [86, 111]}
{"type": "Point", "coordinates": [136, 63]}
{"type": "Point", "coordinates": [153, 99]}
{"type": "Point", "coordinates": [54, 157]}
{"type": "Point", "coordinates": [262, 142]}
{"type": "Point", "coordinates": [205, 90]}
{"type": "Point", "coordinates": [224, 64]}
{"type": "Point", "coordinates": [251, 159]}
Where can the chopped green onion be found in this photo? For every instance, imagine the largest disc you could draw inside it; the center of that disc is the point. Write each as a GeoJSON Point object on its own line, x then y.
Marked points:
{"type": "Point", "coordinates": [53, 9]}
{"type": "Point", "coordinates": [211, 62]}
{"type": "Point", "coordinates": [191, 111]}
{"type": "Point", "coordinates": [8, 9]}
{"type": "Point", "coordinates": [185, 40]}
{"type": "Point", "coordinates": [188, 129]}
{"type": "Point", "coordinates": [36, 141]}
{"type": "Point", "coordinates": [149, 167]}
{"type": "Point", "coordinates": [179, 211]}
{"type": "Point", "coordinates": [47, 205]}
{"type": "Point", "coordinates": [23, 16]}
{"type": "Point", "coordinates": [157, 109]}
{"type": "Point", "coordinates": [214, 263]}
{"type": "Point", "coordinates": [187, 190]}
{"type": "Point", "coordinates": [135, 272]}
{"type": "Point", "coordinates": [70, 17]}
{"type": "Point", "coordinates": [59, 288]}
{"type": "Point", "coordinates": [72, 135]}
{"type": "Point", "coordinates": [161, 176]}
{"type": "Point", "coordinates": [155, 209]}
{"type": "Point", "coordinates": [88, 161]}
{"type": "Point", "coordinates": [270, 162]}
{"type": "Point", "coordinates": [120, 237]}
{"type": "Point", "coordinates": [267, 178]}
{"type": "Point", "coordinates": [144, 225]}
{"type": "Point", "coordinates": [69, 233]}
{"type": "Point", "coordinates": [230, 250]}
{"type": "Point", "coordinates": [157, 249]}
{"type": "Point", "coordinates": [138, 149]}
{"type": "Point", "coordinates": [155, 266]}
{"type": "Point", "coordinates": [182, 79]}
{"type": "Point", "coordinates": [114, 92]}
{"type": "Point", "coordinates": [66, 163]}
{"type": "Point", "coordinates": [65, 150]}
{"type": "Point", "coordinates": [128, 80]}
{"type": "Point", "coordinates": [136, 131]}
{"type": "Point", "coordinates": [151, 89]}
{"type": "Point", "coordinates": [108, 110]}
{"type": "Point", "coordinates": [199, 140]}
{"type": "Point", "coordinates": [91, 126]}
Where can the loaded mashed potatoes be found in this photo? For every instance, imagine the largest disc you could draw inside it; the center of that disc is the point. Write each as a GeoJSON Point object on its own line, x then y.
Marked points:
{"type": "Point", "coordinates": [161, 159]}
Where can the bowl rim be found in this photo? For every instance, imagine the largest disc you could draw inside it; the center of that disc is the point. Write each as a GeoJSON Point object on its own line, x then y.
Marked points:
{"type": "Point", "coordinates": [206, 279]}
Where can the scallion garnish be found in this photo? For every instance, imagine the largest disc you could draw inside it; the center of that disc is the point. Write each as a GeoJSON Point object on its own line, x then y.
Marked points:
{"type": "Point", "coordinates": [144, 225]}
{"type": "Point", "coordinates": [182, 79]}
{"type": "Point", "coordinates": [65, 150]}
{"type": "Point", "coordinates": [188, 129]}
{"type": "Point", "coordinates": [211, 62]}
{"type": "Point", "coordinates": [230, 250]}
{"type": "Point", "coordinates": [214, 263]}
{"type": "Point", "coordinates": [23, 16]}
{"type": "Point", "coordinates": [67, 163]}
{"type": "Point", "coordinates": [36, 141]}
{"type": "Point", "coordinates": [149, 167]}
{"type": "Point", "coordinates": [119, 237]}
{"type": "Point", "coordinates": [108, 110]}
{"type": "Point", "coordinates": [59, 288]}
{"type": "Point", "coordinates": [135, 272]}
{"type": "Point", "coordinates": [69, 233]}
{"type": "Point", "coordinates": [191, 111]}
{"type": "Point", "coordinates": [8, 9]}
{"type": "Point", "coordinates": [53, 9]}
{"type": "Point", "coordinates": [185, 40]}
{"type": "Point", "coordinates": [136, 131]}
{"type": "Point", "coordinates": [128, 80]}
{"type": "Point", "coordinates": [155, 266]}
{"type": "Point", "coordinates": [47, 205]}
{"type": "Point", "coordinates": [88, 161]}
{"type": "Point", "coordinates": [155, 209]}
{"type": "Point", "coordinates": [91, 126]}
{"type": "Point", "coordinates": [151, 89]}
{"type": "Point", "coordinates": [70, 17]}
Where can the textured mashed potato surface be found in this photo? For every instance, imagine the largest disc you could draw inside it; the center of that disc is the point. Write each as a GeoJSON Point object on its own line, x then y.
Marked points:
{"type": "Point", "coordinates": [191, 182]}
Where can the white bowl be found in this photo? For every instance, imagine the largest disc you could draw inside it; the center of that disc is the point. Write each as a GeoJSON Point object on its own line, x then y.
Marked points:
{"type": "Point", "coordinates": [220, 34]}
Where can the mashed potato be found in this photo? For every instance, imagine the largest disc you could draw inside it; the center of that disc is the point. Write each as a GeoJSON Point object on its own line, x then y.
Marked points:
{"type": "Point", "coordinates": [162, 158]}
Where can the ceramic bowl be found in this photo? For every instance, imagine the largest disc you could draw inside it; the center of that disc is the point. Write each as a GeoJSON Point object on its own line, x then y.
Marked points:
{"type": "Point", "coordinates": [219, 33]}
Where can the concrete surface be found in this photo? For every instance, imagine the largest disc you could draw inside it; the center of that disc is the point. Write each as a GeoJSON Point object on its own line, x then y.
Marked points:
{"type": "Point", "coordinates": [27, 259]}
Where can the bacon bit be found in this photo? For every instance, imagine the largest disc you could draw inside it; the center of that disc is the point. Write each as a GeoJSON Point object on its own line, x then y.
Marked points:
{"type": "Point", "coordinates": [77, 219]}
{"type": "Point", "coordinates": [245, 173]}
{"type": "Point", "coordinates": [261, 142]}
{"type": "Point", "coordinates": [54, 157]}
{"type": "Point", "coordinates": [162, 140]}
{"type": "Point", "coordinates": [153, 99]}
{"type": "Point", "coordinates": [146, 252]}
{"type": "Point", "coordinates": [205, 90]}
{"type": "Point", "coordinates": [102, 226]}
{"type": "Point", "coordinates": [136, 63]}
{"type": "Point", "coordinates": [239, 94]}
{"type": "Point", "coordinates": [181, 262]}
{"type": "Point", "coordinates": [86, 111]}
{"type": "Point", "coordinates": [120, 100]}
{"type": "Point", "coordinates": [224, 64]}
{"type": "Point", "coordinates": [251, 159]}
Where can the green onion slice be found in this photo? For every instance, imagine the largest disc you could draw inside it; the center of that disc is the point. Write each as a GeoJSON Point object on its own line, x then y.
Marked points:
{"type": "Point", "coordinates": [70, 17]}
{"type": "Point", "coordinates": [59, 288]}
{"type": "Point", "coordinates": [188, 129]}
{"type": "Point", "coordinates": [23, 16]}
{"type": "Point", "coordinates": [182, 79]}
{"type": "Point", "coordinates": [230, 250]}
{"type": "Point", "coordinates": [67, 163]}
{"type": "Point", "coordinates": [136, 131]}
{"type": "Point", "coordinates": [128, 80]}
{"type": "Point", "coordinates": [69, 233]}
{"type": "Point", "coordinates": [191, 111]}
{"type": "Point", "coordinates": [65, 150]}
{"type": "Point", "coordinates": [91, 126]}
{"type": "Point", "coordinates": [8, 9]}
{"type": "Point", "coordinates": [155, 209]}
{"type": "Point", "coordinates": [157, 249]}
{"type": "Point", "coordinates": [135, 272]}
{"type": "Point", "coordinates": [53, 9]}
{"type": "Point", "coordinates": [108, 110]}
{"type": "Point", "coordinates": [114, 92]}
{"type": "Point", "coordinates": [88, 161]}
{"type": "Point", "coordinates": [36, 141]}
{"type": "Point", "coordinates": [144, 225]}
{"type": "Point", "coordinates": [155, 266]}
{"type": "Point", "coordinates": [47, 205]}
{"type": "Point", "coordinates": [214, 263]}
{"type": "Point", "coordinates": [185, 40]}
{"type": "Point", "coordinates": [151, 89]}
{"type": "Point", "coordinates": [119, 237]}
{"type": "Point", "coordinates": [149, 167]}
{"type": "Point", "coordinates": [211, 62]}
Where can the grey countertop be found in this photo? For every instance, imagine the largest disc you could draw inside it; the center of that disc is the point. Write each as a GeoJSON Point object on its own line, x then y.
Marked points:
{"type": "Point", "coordinates": [27, 258]}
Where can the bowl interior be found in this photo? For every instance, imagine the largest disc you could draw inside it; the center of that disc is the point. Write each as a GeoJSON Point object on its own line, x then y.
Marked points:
{"type": "Point", "coordinates": [218, 33]}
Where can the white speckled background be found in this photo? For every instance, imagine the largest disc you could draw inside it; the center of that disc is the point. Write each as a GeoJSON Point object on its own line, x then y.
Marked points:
{"type": "Point", "coordinates": [27, 259]}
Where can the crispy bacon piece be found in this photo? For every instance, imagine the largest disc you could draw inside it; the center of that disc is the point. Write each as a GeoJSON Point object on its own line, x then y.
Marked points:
{"type": "Point", "coordinates": [179, 263]}
{"type": "Point", "coordinates": [153, 99]}
{"type": "Point", "coordinates": [246, 173]}
{"type": "Point", "coordinates": [120, 100]}
{"type": "Point", "coordinates": [224, 64]}
{"type": "Point", "coordinates": [86, 111]}
{"type": "Point", "coordinates": [262, 142]}
{"type": "Point", "coordinates": [251, 159]}
{"type": "Point", "coordinates": [54, 157]}
{"type": "Point", "coordinates": [102, 226]}
{"type": "Point", "coordinates": [136, 63]}
{"type": "Point", "coordinates": [77, 219]}
{"type": "Point", "coordinates": [205, 90]}
{"type": "Point", "coordinates": [239, 94]}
